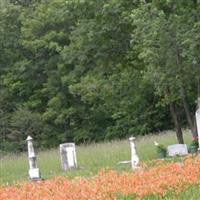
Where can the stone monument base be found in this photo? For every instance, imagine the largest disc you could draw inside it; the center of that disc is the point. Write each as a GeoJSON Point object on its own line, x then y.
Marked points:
{"type": "Point", "coordinates": [34, 174]}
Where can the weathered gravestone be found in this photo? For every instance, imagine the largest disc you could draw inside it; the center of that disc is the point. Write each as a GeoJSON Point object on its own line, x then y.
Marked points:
{"type": "Point", "coordinates": [134, 156]}
{"type": "Point", "coordinates": [34, 172]}
{"type": "Point", "coordinates": [68, 156]}
{"type": "Point", "coordinates": [177, 149]}
{"type": "Point", "coordinates": [197, 114]}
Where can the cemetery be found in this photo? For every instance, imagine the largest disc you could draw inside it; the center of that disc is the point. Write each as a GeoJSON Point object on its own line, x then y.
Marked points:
{"type": "Point", "coordinates": [175, 166]}
{"type": "Point", "coordinates": [99, 100]}
{"type": "Point", "coordinates": [115, 174]}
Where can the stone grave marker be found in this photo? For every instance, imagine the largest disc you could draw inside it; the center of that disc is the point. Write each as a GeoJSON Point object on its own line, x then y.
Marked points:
{"type": "Point", "coordinates": [68, 156]}
{"type": "Point", "coordinates": [34, 172]}
{"type": "Point", "coordinates": [134, 156]}
{"type": "Point", "coordinates": [177, 149]}
{"type": "Point", "coordinates": [197, 114]}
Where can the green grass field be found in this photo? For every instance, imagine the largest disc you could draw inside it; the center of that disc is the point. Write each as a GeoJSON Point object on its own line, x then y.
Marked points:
{"type": "Point", "coordinates": [90, 158]}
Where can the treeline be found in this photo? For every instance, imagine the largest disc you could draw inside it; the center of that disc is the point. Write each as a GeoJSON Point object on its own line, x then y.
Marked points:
{"type": "Point", "coordinates": [89, 70]}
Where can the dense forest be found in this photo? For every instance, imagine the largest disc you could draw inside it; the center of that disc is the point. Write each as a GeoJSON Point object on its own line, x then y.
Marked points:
{"type": "Point", "coordinates": [92, 70]}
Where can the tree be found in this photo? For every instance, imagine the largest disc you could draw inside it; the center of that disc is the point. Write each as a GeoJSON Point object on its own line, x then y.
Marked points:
{"type": "Point", "coordinates": [92, 70]}
{"type": "Point", "coordinates": [162, 29]}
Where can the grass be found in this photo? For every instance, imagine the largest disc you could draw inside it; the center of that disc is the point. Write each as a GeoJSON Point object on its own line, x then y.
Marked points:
{"type": "Point", "coordinates": [90, 158]}
{"type": "Point", "coordinates": [192, 193]}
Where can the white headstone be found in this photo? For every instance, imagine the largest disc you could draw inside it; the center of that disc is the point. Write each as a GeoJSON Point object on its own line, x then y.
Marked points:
{"type": "Point", "coordinates": [197, 114]}
{"type": "Point", "coordinates": [34, 172]}
{"type": "Point", "coordinates": [177, 149]}
{"type": "Point", "coordinates": [134, 156]}
{"type": "Point", "coordinates": [68, 156]}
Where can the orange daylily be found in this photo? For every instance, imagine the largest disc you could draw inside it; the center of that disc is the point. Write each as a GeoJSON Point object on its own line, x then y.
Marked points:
{"type": "Point", "coordinates": [107, 185]}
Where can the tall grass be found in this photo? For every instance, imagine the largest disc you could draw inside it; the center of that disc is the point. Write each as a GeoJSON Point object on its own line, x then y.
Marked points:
{"type": "Point", "coordinates": [91, 158]}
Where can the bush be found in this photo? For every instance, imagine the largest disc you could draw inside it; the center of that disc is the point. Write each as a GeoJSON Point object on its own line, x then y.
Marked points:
{"type": "Point", "coordinates": [161, 150]}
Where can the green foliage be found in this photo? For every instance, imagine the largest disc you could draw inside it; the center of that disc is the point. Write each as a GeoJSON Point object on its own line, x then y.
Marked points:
{"type": "Point", "coordinates": [129, 197]}
{"type": "Point", "coordinates": [23, 123]}
{"type": "Point", "coordinates": [194, 143]}
{"type": "Point", "coordinates": [93, 70]}
{"type": "Point", "coordinates": [161, 148]}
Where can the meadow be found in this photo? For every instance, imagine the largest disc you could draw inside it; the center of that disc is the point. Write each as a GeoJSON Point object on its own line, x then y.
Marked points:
{"type": "Point", "coordinates": [93, 158]}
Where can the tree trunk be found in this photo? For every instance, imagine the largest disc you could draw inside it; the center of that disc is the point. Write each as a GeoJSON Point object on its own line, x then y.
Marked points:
{"type": "Point", "coordinates": [179, 133]}
{"type": "Point", "coordinates": [192, 124]}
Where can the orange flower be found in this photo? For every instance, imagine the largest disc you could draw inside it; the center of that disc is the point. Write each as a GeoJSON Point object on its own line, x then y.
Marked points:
{"type": "Point", "coordinates": [107, 185]}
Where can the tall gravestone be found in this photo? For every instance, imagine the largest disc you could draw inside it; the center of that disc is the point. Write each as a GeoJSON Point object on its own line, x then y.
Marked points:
{"type": "Point", "coordinates": [68, 156]}
{"type": "Point", "coordinates": [197, 114]}
{"type": "Point", "coordinates": [34, 172]}
{"type": "Point", "coordinates": [134, 156]}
